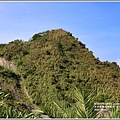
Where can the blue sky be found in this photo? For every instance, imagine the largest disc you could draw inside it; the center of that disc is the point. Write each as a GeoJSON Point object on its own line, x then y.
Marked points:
{"type": "Point", "coordinates": [96, 24]}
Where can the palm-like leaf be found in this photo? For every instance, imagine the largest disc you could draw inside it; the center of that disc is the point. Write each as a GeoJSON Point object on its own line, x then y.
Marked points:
{"type": "Point", "coordinates": [84, 107]}
{"type": "Point", "coordinates": [84, 104]}
{"type": "Point", "coordinates": [62, 112]}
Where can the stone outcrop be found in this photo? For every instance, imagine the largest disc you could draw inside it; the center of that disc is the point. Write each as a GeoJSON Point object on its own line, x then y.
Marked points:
{"type": "Point", "coordinates": [104, 113]}
{"type": "Point", "coordinates": [7, 64]}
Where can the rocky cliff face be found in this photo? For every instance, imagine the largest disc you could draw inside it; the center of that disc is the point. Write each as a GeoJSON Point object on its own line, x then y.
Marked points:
{"type": "Point", "coordinates": [7, 64]}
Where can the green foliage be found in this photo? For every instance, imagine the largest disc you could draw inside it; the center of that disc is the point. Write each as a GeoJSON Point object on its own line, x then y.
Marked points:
{"type": "Point", "coordinates": [102, 97]}
{"type": "Point", "coordinates": [51, 63]}
{"type": "Point", "coordinates": [1, 48]}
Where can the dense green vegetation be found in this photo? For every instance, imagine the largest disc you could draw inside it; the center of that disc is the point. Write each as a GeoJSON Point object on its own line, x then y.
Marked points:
{"type": "Point", "coordinates": [51, 63]}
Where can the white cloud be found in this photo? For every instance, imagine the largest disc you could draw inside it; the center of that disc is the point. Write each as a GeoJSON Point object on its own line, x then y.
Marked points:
{"type": "Point", "coordinates": [118, 61]}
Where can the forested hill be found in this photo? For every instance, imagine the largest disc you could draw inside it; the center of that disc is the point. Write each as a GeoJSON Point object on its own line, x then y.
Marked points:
{"type": "Point", "coordinates": [51, 64]}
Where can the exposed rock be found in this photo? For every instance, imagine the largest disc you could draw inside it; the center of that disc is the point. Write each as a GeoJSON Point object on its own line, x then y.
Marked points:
{"type": "Point", "coordinates": [44, 116]}
{"type": "Point", "coordinates": [7, 64]}
{"type": "Point", "coordinates": [104, 113]}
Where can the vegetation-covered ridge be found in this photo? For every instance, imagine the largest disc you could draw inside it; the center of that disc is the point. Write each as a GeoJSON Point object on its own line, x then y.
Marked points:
{"type": "Point", "coordinates": [51, 64]}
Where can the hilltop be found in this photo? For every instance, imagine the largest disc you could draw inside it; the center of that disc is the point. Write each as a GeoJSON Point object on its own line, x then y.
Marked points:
{"type": "Point", "coordinates": [49, 65]}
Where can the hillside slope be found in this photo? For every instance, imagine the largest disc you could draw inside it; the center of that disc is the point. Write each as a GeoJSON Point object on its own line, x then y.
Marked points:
{"type": "Point", "coordinates": [53, 62]}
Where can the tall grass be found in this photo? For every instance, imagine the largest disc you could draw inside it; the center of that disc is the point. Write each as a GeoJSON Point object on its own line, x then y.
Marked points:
{"type": "Point", "coordinates": [115, 113]}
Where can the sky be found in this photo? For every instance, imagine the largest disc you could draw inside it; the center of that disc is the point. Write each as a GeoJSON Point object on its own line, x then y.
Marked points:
{"type": "Point", "coordinates": [96, 24]}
